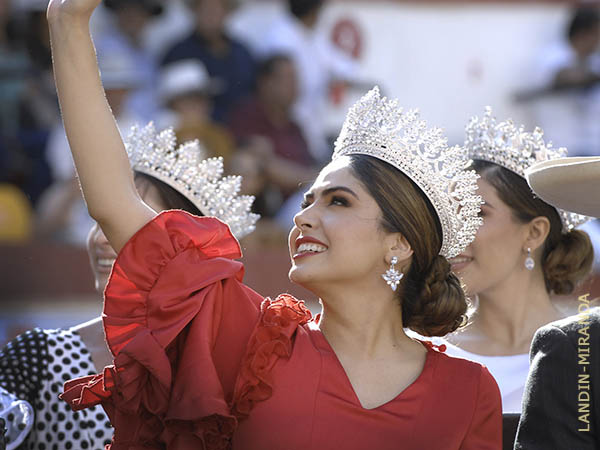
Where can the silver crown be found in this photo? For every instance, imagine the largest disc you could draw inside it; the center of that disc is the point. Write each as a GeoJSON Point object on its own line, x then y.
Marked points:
{"type": "Point", "coordinates": [186, 169]}
{"type": "Point", "coordinates": [515, 149]}
{"type": "Point", "coordinates": [378, 127]}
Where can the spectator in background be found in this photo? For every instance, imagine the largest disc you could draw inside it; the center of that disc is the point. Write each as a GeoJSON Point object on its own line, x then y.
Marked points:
{"type": "Point", "coordinates": [40, 111]}
{"type": "Point", "coordinates": [15, 66]}
{"type": "Point", "coordinates": [319, 64]}
{"type": "Point", "coordinates": [579, 64]}
{"type": "Point", "coordinates": [62, 213]}
{"type": "Point", "coordinates": [567, 103]}
{"type": "Point", "coordinates": [131, 18]}
{"type": "Point", "coordinates": [187, 92]}
{"type": "Point", "coordinates": [283, 158]}
{"type": "Point", "coordinates": [226, 59]}
{"type": "Point", "coordinates": [28, 107]}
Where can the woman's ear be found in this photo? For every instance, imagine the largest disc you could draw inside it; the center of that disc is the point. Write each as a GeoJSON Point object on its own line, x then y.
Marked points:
{"type": "Point", "coordinates": [537, 232]}
{"type": "Point", "coordinates": [399, 247]}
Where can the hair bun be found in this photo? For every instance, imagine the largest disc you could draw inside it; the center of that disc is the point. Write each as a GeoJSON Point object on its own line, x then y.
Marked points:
{"type": "Point", "coordinates": [569, 262]}
{"type": "Point", "coordinates": [442, 306]}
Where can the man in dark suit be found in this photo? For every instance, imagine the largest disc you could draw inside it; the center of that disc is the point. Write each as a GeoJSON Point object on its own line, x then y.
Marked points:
{"type": "Point", "coordinates": [561, 403]}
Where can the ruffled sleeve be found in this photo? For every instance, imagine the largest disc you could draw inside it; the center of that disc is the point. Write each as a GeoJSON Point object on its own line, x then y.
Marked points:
{"type": "Point", "coordinates": [178, 321]}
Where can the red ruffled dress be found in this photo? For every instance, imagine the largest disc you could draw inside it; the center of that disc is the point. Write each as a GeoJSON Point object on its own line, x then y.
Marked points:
{"type": "Point", "coordinates": [201, 361]}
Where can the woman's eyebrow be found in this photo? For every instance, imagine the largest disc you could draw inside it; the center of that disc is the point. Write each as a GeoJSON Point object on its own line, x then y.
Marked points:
{"type": "Point", "coordinates": [331, 190]}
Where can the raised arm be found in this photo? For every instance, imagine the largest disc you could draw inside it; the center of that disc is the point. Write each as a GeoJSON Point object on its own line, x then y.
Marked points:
{"type": "Point", "coordinates": [98, 150]}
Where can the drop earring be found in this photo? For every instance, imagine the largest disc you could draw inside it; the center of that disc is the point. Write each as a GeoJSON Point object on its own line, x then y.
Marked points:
{"type": "Point", "coordinates": [392, 276]}
{"type": "Point", "coordinates": [529, 262]}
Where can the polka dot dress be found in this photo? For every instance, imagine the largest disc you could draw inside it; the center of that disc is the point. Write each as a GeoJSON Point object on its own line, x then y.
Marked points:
{"type": "Point", "coordinates": [16, 420]}
{"type": "Point", "coordinates": [34, 367]}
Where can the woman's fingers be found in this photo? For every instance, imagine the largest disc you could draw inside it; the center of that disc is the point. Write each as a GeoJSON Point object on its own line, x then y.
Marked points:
{"type": "Point", "coordinates": [59, 9]}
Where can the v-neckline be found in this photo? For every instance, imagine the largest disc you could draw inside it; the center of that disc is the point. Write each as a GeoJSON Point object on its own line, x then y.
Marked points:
{"type": "Point", "coordinates": [427, 367]}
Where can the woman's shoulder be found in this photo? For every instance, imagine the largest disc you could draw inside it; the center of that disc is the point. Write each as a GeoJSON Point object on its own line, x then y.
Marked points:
{"type": "Point", "coordinates": [452, 362]}
{"type": "Point", "coordinates": [467, 375]}
{"type": "Point", "coordinates": [571, 325]}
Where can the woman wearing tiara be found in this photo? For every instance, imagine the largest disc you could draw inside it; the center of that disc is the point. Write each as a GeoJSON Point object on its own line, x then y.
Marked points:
{"type": "Point", "coordinates": [202, 361]}
{"type": "Point", "coordinates": [36, 364]}
{"type": "Point", "coordinates": [525, 251]}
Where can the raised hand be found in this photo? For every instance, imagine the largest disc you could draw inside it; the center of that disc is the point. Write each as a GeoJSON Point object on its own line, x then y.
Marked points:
{"type": "Point", "coordinates": [76, 9]}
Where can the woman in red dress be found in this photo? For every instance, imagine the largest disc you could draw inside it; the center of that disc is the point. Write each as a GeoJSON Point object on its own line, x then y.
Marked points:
{"type": "Point", "coordinates": [203, 362]}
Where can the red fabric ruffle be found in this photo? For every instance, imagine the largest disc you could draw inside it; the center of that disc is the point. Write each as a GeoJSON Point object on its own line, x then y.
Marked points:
{"type": "Point", "coordinates": [272, 339]}
{"type": "Point", "coordinates": [86, 392]}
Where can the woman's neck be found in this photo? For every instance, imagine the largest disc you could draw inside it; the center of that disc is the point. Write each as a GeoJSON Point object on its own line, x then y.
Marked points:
{"type": "Point", "coordinates": [508, 315]}
{"type": "Point", "coordinates": [366, 323]}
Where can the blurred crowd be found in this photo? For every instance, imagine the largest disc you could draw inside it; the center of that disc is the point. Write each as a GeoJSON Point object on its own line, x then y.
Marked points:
{"type": "Point", "coordinates": [259, 105]}
{"type": "Point", "coordinates": [173, 63]}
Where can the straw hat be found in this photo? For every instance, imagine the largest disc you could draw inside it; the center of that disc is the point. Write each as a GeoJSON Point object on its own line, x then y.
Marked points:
{"type": "Point", "coordinates": [572, 184]}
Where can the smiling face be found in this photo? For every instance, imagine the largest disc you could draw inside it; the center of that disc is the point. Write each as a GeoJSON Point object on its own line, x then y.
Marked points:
{"type": "Point", "coordinates": [101, 254]}
{"type": "Point", "coordinates": [338, 237]}
{"type": "Point", "coordinates": [497, 251]}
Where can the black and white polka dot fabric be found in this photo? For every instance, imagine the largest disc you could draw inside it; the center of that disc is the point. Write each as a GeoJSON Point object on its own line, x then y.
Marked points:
{"type": "Point", "coordinates": [34, 367]}
{"type": "Point", "coordinates": [16, 420]}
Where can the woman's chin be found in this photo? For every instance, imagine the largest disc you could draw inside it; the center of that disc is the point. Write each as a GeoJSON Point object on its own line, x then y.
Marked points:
{"type": "Point", "coordinates": [302, 277]}
{"type": "Point", "coordinates": [295, 277]}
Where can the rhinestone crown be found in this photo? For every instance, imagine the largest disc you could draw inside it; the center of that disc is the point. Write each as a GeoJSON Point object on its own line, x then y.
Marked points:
{"type": "Point", "coordinates": [185, 169]}
{"type": "Point", "coordinates": [513, 148]}
{"type": "Point", "coordinates": [378, 127]}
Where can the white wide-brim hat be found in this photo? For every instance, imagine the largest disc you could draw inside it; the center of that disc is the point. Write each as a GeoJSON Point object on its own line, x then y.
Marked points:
{"type": "Point", "coordinates": [572, 184]}
{"type": "Point", "coordinates": [186, 77]}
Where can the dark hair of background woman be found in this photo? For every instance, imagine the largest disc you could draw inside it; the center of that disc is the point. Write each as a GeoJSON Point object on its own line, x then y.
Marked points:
{"type": "Point", "coordinates": [169, 196]}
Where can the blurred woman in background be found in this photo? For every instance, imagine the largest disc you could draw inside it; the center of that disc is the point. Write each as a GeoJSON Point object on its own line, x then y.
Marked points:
{"type": "Point", "coordinates": [525, 251]}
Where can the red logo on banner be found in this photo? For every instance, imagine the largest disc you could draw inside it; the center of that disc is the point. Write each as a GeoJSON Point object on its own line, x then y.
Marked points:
{"type": "Point", "coordinates": [347, 36]}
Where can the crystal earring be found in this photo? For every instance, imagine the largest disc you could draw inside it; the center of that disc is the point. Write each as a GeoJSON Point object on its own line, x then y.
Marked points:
{"type": "Point", "coordinates": [529, 262]}
{"type": "Point", "coordinates": [392, 276]}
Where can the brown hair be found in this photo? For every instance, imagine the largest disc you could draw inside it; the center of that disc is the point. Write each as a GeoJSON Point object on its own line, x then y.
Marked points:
{"type": "Point", "coordinates": [170, 196]}
{"type": "Point", "coordinates": [433, 302]}
{"type": "Point", "coordinates": [566, 257]}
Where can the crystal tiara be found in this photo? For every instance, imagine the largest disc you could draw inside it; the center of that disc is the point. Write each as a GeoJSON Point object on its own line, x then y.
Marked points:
{"type": "Point", "coordinates": [378, 127]}
{"type": "Point", "coordinates": [513, 148]}
{"type": "Point", "coordinates": [186, 170]}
